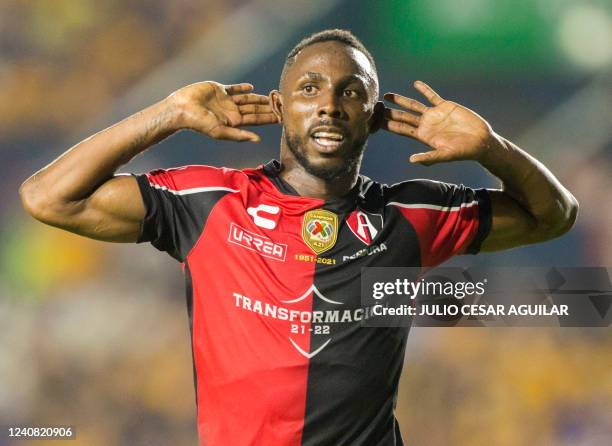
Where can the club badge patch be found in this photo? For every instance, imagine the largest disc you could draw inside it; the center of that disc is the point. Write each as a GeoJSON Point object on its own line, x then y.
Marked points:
{"type": "Point", "coordinates": [320, 230]}
{"type": "Point", "coordinates": [365, 227]}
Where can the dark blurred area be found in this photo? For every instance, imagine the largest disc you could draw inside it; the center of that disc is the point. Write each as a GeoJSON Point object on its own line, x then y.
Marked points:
{"type": "Point", "coordinates": [96, 335]}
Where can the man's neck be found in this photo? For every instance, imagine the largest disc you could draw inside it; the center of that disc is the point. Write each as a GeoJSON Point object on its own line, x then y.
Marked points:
{"type": "Point", "coordinates": [308, 185]}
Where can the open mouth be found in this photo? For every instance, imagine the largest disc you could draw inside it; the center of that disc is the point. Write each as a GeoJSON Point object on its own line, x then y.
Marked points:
{"type": "Point", "coordinates": [328, 140]}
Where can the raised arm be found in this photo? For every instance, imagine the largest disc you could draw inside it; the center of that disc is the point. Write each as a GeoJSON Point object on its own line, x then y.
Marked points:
{"type": "Point", "coordinates": [532, 205]}
{"type": "Point", "coordinates": [79, 191]}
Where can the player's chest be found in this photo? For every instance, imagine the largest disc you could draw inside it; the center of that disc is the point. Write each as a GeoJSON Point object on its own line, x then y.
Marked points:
{"type": "Point", "coordinates": [267, 232]}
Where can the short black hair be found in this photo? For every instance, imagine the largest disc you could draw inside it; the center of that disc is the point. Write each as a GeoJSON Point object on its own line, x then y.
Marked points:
{"type": "Point", "coordinates": [329, 35]}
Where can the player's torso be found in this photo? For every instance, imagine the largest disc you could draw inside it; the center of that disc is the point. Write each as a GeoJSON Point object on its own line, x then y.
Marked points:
{"type": "Point", "coordinates": [277, 314]}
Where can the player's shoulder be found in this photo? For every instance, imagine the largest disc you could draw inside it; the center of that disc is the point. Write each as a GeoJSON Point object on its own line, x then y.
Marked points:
{"type": "Point", "coordinates": [422, 191]}
{"type": "Point", "coordinates": [197, 176]}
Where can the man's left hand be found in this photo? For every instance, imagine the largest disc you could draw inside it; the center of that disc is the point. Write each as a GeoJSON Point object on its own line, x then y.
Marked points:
{"type": "Point", "coordinates": [452, 131]}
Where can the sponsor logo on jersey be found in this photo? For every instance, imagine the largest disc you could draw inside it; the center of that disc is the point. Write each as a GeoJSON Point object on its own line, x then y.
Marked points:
{"type": "Point", "coordinates": [317, 322]}
{"type": "Point", "coordinates": [258, 243]}
{"type": "Point", "coordinates": [370, 250]}
{"type": "Point", "coordinates": [320, 230]}
{"type": "Point", "coordinates": [260, 220]}
{"type": "Point", "coordinates": [365, 226]}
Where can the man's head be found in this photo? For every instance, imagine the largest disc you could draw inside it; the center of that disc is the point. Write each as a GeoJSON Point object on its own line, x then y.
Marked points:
{"type": "Point", "coordinates": [326, 100]}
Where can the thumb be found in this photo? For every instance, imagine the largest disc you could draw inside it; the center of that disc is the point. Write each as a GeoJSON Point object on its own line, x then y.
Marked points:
{"type": "Point", "coordinates": [233, 134]}
{"type": "Point", "coordinates": [426, 158]}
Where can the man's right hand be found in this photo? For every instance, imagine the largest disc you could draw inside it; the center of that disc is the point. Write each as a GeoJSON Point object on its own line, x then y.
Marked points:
{"type": "Point", "coordinates": [79, 191]}
{"type": "Point", "coordinates": [216, 110]}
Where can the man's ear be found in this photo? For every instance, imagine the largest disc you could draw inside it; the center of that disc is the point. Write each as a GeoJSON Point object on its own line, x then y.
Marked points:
{"type": "Point", "coordinates": [276, 101]}
{"type": "Point", "coordinates": [377, 118]}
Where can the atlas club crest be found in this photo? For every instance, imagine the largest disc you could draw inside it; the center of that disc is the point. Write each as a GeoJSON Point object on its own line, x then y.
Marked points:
{"type": "Point", "coordinates": [320, 230]}
{"type": "Point", "coordinates": [364, 226]}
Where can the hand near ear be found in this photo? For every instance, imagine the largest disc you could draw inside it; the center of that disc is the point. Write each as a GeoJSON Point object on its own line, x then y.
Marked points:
{"type": "Point", "coordinates": [217, 110]}
{"type": "Point", "coordinates": [452, 131]}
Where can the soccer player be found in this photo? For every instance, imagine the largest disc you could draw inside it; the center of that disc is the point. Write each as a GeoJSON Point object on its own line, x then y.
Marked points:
{"type": "Point", "coordinates": [272, 255]}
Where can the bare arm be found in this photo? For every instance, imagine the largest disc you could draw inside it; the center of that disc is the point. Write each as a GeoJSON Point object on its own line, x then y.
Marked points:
{"type": "Point", "coordinates": [532, 205]}
{"type": "Point", "coordinates": [80, 192]}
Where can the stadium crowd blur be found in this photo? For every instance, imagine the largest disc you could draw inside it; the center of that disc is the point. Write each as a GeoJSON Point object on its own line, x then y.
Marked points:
{"type": "Point", "coordinates": [95, 335]}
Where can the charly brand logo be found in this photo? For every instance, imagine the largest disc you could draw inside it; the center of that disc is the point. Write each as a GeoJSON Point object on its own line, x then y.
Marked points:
{"type": "Point", "coordinates": [320, 230]}
{"type": "Point", "coordinates": [261, 221]}
{"type": "Point", "coordinates": [258, 243]}
{"type": "Point", "coordinates": [365, 226]}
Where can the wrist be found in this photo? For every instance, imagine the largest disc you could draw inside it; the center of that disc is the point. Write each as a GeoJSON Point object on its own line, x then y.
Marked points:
{"type": "Point", "coordinates": [493, 149]}
{"type": "Point", "coordinates": [173, 112]}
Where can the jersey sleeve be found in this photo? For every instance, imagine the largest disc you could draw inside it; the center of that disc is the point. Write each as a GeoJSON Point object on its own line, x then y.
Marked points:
{"type": "Point", "coordinates": [448, 219]}
{"type": "Point", "coordinates": [177, 204]}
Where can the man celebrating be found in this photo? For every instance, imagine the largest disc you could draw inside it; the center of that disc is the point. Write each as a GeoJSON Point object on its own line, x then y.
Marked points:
{"type": "Point", "coordinates": [272, 255]}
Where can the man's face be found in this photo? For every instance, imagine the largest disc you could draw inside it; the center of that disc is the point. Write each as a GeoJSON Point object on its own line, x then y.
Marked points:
{"type": "Point", "coordinates": [326, 101]}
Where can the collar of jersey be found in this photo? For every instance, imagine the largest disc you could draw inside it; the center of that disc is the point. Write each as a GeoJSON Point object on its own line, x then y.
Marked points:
{"type": "Point", "coordinates": [346, 203]}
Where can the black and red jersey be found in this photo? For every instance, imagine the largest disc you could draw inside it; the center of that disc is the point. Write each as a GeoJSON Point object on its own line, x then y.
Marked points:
{"type": "Point", "coordinates": [273, 288]}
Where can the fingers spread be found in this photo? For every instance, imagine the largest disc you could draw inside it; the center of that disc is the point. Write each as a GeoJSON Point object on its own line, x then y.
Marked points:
{"type": "Point", "coordinates": [428, 92]}
{"type": "Point", "coordinates": [250, 98]}
{"type": "Point", "coordinates": [401, 128]}
{"type": "Point", "coordinates": [254, 108]}
{"type": "Point", "coordinates": [402, 116]}
{"type": "Point", "coordinates": [402, 101]}
{"type": "Point", "coordinates": [233, 134]}
{"type": "Point", "coordinates": [238, 88]}
{"type": "Point", "coordinates": [259, 119]}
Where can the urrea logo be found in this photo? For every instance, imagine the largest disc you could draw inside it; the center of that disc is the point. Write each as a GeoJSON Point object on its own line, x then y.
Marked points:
{"type": "Point", "coordinates": [258, 243]}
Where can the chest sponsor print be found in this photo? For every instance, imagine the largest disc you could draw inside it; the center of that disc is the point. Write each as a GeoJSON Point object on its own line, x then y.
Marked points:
{"type": "Point", "coordinates": [302, 322]}
{"type": "Point", "coordinates": [258, 243]}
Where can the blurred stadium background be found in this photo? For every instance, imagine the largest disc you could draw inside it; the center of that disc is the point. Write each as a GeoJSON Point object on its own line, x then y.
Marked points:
{"type": "Point", "coordinates": [95, 335]}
